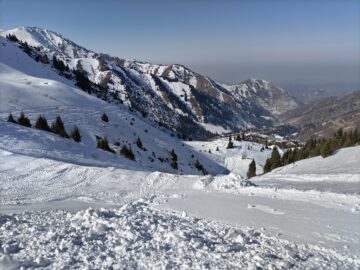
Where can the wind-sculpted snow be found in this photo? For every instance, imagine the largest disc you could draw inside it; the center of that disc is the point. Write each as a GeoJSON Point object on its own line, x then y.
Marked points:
{"type": "Point", "coordinates": [136, 236]}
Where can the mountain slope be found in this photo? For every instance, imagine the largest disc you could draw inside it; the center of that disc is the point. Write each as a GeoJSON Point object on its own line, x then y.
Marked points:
{"type": "Point", "coordinates": [324, 116]}
{"type": "Point", "coordinates": [265, 94]}
{"type": "Point", "coordinates": [40, 95]}
{"type": "Point", "coordinates": [176, 97]}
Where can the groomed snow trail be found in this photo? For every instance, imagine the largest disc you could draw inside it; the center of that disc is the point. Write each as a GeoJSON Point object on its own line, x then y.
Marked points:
{"type": "Point", "coordinates": [136, 236]}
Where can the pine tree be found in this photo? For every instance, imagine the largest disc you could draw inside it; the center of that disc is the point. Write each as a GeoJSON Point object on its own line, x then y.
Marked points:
{"type": "Point", "coordinates": [267, 166]}
{"type": "Point", "coordinates": [41, 123]}
{"type": "Point", "coordinates": [58, 128]}
{"type": "Point", "coordinates": [200, 167]}
{"type": "Point", "coordinates": [230, 144]}
{"type": "Point", "coordinates": [252, 169]}
{"type": "Point", "coordinates": [104, 145]}
{"type": "Point", "coordinates": [238, 137]}
{"type": "Point", "coordinates": [127, 152]}
{"type": "Point", "coordinates": [139, 143]}
{"type": "Point", "coordinates": [104, 117]}
{"type": "Point", "coordinates": [275, 159]}
{"type": "Point", "coordinates": [326, 149]}
{"type": "Point", "coordinates": [23, 120]}
{"type": "Point", "coordinates": [217, 148]}
{"type": "Point", "coordinates": [11, 119]}
{"type": "Point", "coordinates": [75, 134]}
{"type": "Point", "coordinates": [174, 158]}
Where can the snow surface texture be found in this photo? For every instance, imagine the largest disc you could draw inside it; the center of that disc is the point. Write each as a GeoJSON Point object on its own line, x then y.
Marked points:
{"type": "Point", "coordinates": [136, 236]}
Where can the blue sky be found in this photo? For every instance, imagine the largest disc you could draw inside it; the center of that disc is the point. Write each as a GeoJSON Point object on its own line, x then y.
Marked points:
{"type": "Point", "coordinates": [283, 41]}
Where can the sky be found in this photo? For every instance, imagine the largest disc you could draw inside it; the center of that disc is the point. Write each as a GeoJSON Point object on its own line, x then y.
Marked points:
{"type": "Point", "coordinates": [305, 41]}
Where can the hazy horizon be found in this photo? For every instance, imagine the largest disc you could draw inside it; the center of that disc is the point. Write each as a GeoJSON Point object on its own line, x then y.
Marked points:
{"type": "Point", "coordinates": [310, 42]}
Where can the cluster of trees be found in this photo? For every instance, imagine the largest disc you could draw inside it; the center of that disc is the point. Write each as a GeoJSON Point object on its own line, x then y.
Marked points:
{"type": "Point", "coordinates": [41, 123]}
{"type": "Point", "coordinates": [313, 147]}
{"type": "Point", "coordinates": [60, 65]}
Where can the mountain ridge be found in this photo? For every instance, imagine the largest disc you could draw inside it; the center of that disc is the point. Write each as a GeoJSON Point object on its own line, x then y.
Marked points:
{"type": "Point", "coordinates": [172, 95]}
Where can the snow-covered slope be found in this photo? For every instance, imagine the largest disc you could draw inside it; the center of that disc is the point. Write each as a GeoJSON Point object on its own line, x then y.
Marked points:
{"type": "Point", "coordinates": [265, 94]}
{"type": "Point", "coordinates": [37, 90]}
{"type": "Point", "coordinates": [337, 173]}
{"type": "Point", "coordinates": [173, 95]}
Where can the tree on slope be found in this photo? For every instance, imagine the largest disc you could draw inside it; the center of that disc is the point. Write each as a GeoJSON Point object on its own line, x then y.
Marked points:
{"type": "Point", "coordinates": [58, 128]}
{"type": "Point", "coordinates": [104, 117]}
{"type": "Point", "coordinates": [23, 120]}
{"type": "Point", "coordinates": [41, 123]}
{"type": "Point", "coordinates": [104, 145]}
{"type": "Point", "coordinates": [252, 169]}
{"type": "Point", "coordinates": [127, 152]}
{"type": "Point", "coordinates": [275, 158]}
{"type": "Point", "coordinates": [75, 134]}
{"type": "Point", "coordinates": [174, 158]}
{"type": "Point", "coordinates": [230, 144]}
{"type": "Point", "coordinates": [11, 119]}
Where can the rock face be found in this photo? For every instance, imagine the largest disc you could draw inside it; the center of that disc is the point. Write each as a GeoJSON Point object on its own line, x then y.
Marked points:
{"type": "Point", "coordinates": [178, 98]}
{"type": "Point", "coordinates": [324, 116]}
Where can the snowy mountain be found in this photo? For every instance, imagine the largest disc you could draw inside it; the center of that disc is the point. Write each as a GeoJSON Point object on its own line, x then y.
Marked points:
{"type": "Point", "coordinates": [178, 98]}
{"type": "Point", "coordinates": [265, 94]}
{"type": "Point", "coordinates": [35, 89]}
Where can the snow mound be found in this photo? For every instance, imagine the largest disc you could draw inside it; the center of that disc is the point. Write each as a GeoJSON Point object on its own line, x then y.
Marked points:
{"type": "Point", "coordinates": [139, 237]}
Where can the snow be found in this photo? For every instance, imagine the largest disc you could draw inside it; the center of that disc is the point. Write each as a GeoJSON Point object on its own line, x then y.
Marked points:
{"type": "Point", "coordinates": [136, 236]}
{"type": "Point", "coordinates": [214, 128]}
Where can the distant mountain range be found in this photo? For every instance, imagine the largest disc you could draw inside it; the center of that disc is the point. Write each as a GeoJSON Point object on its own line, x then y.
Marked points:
{"type": "Point", "coordinates": [171, 95]}
{"type": "Point", "coordinates": [324, 116]}
{"type": "Point", "coordinates": [306, 93]}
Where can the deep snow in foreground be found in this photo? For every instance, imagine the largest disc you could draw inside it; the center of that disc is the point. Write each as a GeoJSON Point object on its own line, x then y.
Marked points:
{"type": "Point", "coordinates": [136, 236]}
{"type": "Point", "coordinates": [156, 220]}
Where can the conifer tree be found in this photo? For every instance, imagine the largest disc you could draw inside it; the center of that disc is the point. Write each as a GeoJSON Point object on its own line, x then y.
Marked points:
{"type": "Point", "coordinates": [174, 158]}
{"type": "Point", "coordinates": [104, 145]}
{"type": "Point", "coordinates": [75, 134]}
{"type": "Point", "coordinates": [267, 166]}
{"type": "Point", "coordinates": [58, 128]}
{"type": "Point", "coordinates": [326, 149]}
{"type": "Point", "coordinates": [104, 117]}
{"type": "Point", "coordinates": [200, 167]}
{"type": "Point", "coordinates": [275, 159]}
{"type": "Point", "coordinates": [11, 119]}
{"type": "Point", "coordinates": [23, 120]}
{"type": "Point", "coordinates": [41, 123]}
{"type": "Point", "coordinates": [139, 143]}
{"type": "Point", "coordinates": [127, 152]}
{"type": "Point", "coordinates": [230, 144]}
{"type": "Point", "coordinates": [252, 169]}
